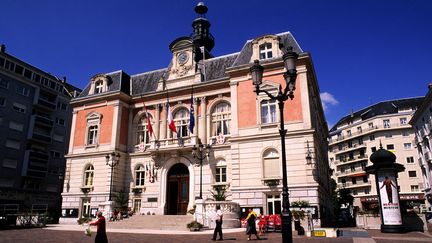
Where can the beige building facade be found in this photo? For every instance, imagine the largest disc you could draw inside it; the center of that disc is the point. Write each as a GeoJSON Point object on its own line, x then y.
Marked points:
{"type": "Point", "coordinates": [158, 171]}
{"type": "Point", "coordinates": [422, 124]}
{"type": "Point", "coordinates": [356, 136]}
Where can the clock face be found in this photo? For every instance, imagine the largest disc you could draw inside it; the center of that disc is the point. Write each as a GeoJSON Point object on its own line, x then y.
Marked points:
{"type": "Point", "coordinates": [183, 57]}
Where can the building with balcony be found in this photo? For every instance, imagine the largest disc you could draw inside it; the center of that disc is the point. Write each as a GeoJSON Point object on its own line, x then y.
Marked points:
{"type": "Point", "coordinates": [131, 116]}
{"type": "Point", "coordinates": [356, 136]}
{"type": "Point", "coordinates": [422, 124]}
{"type": "Point", "coordinates": [35, 119]}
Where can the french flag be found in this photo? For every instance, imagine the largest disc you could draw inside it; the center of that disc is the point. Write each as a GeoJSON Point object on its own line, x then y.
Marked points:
{"type": "Point", "coordinates": [170, 119]}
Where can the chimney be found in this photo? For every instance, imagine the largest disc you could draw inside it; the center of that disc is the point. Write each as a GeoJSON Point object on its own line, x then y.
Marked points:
{"type": "Point", "coordinates": [2, 48]}
{"type": "Point", "coordinates": [64, 79]}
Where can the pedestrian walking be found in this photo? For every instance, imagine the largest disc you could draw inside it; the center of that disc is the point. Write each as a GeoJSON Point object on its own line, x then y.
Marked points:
{"type": "Point", "coordinates": [218, 220]}
{"type": "Point", "coordinates": [251, 228]}
{"type": "Point", "coordinates": [101, 236]}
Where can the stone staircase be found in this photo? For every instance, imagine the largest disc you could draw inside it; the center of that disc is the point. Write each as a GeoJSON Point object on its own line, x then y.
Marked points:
{"type": "Point", "coordinates": [154, 222]}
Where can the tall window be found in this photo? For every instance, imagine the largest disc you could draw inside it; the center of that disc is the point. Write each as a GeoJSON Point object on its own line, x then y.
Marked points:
{"type": "Point", "coordinates": [386, 123]}
{"type": "Point", "coordinates": [99, 85]}
{"type": "Point", "coordinates": [139, 175]}
{"type": "Point", "coordinates": [265, 51]}
{"type": "Point", "coordinates": [271, 164]}
{"type": "Point", "coordinates": [93, 126]}
{"type": "Point", "coordinates": [92, 134]}
{"type": "Point", "coordinates": [274, 204]}
{"type": "Point", "coordinates": [143, 134]}
{"type": "Point", "coordinates": [221, 171]}
{"type": "Point", "coordinates": [221, 118]}
{"type": "Point", "coordinates": [268, 111]}
{"type": "Point", "coordinates": [86, 207]}
{"type": "Point", "coordinates": [137, 205]}
{"type": "Point", "coordinates": [88, 175]}
{"type": "Point", "coordinates": [403, 121]}
{"type": "Point", "coordinates": [181, 120]}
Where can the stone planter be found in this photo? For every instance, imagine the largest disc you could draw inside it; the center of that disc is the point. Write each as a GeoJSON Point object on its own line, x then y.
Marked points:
{"type": "Point", "coordinates": [206, 211]}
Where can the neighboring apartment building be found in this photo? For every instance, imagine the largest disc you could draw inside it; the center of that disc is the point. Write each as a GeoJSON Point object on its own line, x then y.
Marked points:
{"type": "Point", "coordinates": [356, 136]}
{"type": "Point", "coordinates": [158, 170]}
{"type": "Point", "coordinates": [35, 119]}
{"type": "Point", "coordinates": [422, 124]}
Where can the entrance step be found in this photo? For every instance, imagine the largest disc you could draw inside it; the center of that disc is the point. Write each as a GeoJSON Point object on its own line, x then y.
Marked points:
{"type": "Point", "coordinates": [353, 233]}
{"type": "Point", "coordinates": [156, 222]}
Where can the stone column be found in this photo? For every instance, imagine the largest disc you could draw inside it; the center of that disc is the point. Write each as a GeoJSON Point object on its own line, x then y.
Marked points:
{"type": "Point", "coordinates": [163, 129]}
{"type": "Point", "coordinates": [202, 122]}
{"type": "Point", "coordinates": [195, 106]}
{"type": "Point", "coordinates": [157, 121]}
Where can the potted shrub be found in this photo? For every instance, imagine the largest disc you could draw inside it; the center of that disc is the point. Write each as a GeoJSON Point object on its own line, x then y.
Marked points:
{"type": "Point", "coordinates": [219, 193]}
{"type": "Point", "coordinates": [194, 226]}
{"type": "Point", "coordinates": [298, 213]}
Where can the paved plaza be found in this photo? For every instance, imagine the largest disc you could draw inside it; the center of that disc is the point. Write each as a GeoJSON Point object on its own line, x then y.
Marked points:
{"type": "Point", "coordinates": [75, 233]}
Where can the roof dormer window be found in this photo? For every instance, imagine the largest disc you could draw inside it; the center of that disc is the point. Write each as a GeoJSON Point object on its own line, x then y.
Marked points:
{"type": "Point", "coordinates": [99, 84]}
{"type": "Point", "coordinates": [265, 51]}
{"type": "Point", "coordinates": [98, 87]}
{"type": "Point", "coordinates": [266, 47]}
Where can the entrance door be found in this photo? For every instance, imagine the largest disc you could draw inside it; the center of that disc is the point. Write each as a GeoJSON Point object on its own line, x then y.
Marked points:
{"type": "Point", "coordinates": [178, 190]}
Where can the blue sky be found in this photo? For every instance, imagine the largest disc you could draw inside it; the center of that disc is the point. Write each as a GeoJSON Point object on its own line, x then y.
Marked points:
{"type": "Point", "coordinates": [364, 51]}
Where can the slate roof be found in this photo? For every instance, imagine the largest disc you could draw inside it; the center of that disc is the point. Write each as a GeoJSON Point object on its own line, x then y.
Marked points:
{"type": "Point", "coordinates": [119, 81]}
{"type": "Point", "coordinates": [246, 53]}
{"type": "Point", "coordinates": [215, 69]}
{"type": "Point", "coordinates": [146, 82]}
{"type": "Point", "coordinates": [381, 108]}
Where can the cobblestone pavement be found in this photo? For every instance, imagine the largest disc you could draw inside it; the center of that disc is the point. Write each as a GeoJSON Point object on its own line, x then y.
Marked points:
{"type": "Point", "coordinates": [76, 235]}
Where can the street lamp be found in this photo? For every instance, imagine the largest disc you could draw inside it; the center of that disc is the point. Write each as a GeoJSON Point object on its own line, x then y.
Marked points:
{"type": "Point", "coordinates": [289, 59]}
{"type": "Point", "coordinates": [201, 152]}
{"type": "Point", "coordinates": [112, 160]}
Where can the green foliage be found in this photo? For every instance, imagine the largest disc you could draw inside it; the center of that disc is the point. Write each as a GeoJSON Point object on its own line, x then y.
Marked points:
{"type": "Point", "coordinates": [219, 193]}
{"type": "Point", "coordinates": [194, 224]}
{"type": "Point", "coordinates": [121, 199]}
{"type": "Point", "coordinates": [345, 197]}
{"type": "Point", "coordinates": [299, 214]}
{"type": "Point", "coordinates": [84, 219]}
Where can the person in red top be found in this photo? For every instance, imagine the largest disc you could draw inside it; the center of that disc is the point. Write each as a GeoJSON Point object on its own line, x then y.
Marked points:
{"type": "Point", "coordinates": [101, 236]}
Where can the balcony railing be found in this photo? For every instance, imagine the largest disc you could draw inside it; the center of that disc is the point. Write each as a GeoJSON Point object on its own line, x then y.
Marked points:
{"type": "Point", "coordinates": [427, 156]}
{"type": "Point", "coordinates": [366, 130]}
{"type": "Point", "coordinates": [43, 120]}
{"type": "Point", "coordinates": [41, 137]}
{"type": "Point", "coordinates": [47, 104]}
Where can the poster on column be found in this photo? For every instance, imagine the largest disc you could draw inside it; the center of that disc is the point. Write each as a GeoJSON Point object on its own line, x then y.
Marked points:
{"type": "Point", "coordinates": [389, 199]}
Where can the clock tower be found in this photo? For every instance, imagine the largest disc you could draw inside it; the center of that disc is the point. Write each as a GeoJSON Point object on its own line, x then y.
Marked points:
{"type": "Point", "coordinates": [189, 52]}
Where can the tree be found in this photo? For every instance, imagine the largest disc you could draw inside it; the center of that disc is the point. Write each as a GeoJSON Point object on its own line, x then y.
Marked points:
{"type": "Point", "coordinates": [122, 200]}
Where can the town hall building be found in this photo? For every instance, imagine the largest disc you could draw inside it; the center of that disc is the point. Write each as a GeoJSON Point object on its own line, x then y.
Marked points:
{"type": "Point", "coordinates": [136, 133]}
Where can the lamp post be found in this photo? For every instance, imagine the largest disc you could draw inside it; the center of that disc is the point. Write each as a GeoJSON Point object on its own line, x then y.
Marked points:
{"type": "Point", "coordinates": [112, 160]}
{"type": "Point", "coordinates": [289, 59]}
{"type": "Point", "coordinates": [201, 152]}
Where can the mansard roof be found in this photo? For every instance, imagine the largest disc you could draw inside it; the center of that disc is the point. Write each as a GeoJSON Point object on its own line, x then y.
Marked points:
{"type": "Point", "coordinates": [381, 108]}
{"type": "Point", "coordinates": [286, 39]}
{"type": "Point", "coordinates": [147, 82]}
{"type": "Point", "coordinates": [119, 81]}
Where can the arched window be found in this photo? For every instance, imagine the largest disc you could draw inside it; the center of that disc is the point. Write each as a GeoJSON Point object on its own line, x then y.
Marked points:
{"type": "Point", "coordinates": [139, 175]}
{"type": "Point", "coordinates": [265, 51]}
{"type": "Point", "coordinates": [221, 118]}
{"type": "Point", "coordinates": [268, 111]}
{"type": "Point", "coordinates": [221, 171]}
{"type": "Point", "coordinates": [181, 120]}
{"type": "Point", "coordinates": [271, 167]}
{"type": "Point", "coordinates": [88, 175]}
{"type": "Point", "coordinates": [143, 134]}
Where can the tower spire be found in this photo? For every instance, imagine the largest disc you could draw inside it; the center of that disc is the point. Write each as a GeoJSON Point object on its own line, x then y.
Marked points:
{"type": "Point", "coordinates": [201, 35]}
